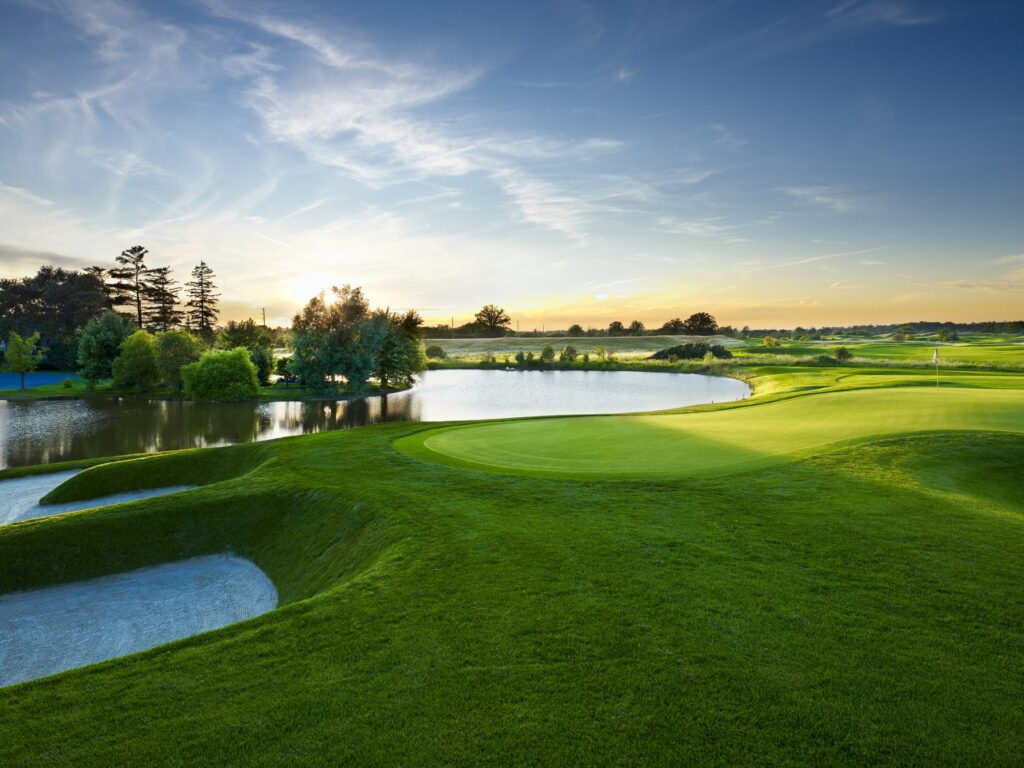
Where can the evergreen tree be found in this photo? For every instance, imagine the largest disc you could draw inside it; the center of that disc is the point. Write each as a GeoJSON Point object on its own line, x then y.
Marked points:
{"type": "Point", "coordinates": [162, 314]}
{"type": "Point", "coordinates": [132, 281]}
{"type": "Point", "coordinates": [202, 311]}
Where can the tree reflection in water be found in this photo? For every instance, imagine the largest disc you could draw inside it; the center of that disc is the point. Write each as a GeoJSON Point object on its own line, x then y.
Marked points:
{"type": "Point", "coordinates": [41, 432]}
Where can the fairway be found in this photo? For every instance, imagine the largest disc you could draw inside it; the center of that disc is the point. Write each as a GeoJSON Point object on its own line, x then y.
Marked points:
{"type": "Point", "coordinates": [716, 441]}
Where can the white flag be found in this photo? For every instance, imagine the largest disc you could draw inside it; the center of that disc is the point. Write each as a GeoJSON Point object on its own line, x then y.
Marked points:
{"type": "Point", "coordinates": [935, 357]}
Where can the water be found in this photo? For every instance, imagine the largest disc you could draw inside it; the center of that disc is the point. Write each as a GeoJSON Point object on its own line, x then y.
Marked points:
{"type": "Point", "coordinates": [46, 431]}
{"type": "Point", "coordinates": [36, 379]}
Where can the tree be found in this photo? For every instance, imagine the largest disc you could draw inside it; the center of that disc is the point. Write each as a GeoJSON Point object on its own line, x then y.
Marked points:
{"type": "Point", "coordinates": [575, 330]}
{"type": "Point", "coordinates": [131, 287]}
{"type": "Point", "coordinates": [263, 359]}
{"type": "Point", "coordinates": [568, 354]}
{"type": "Point", "coordinates": [221, 375]}
{"type": "Point", "coordinates": [401, 354]}
{"type": "Point", "coordinates": [99, 274]}
{"type": "Point", "coordinates": [636, 328]}
{"type": "Point", "coordinates": [693, 351]}
{"type": "Point", "coordinates": [135, 365]}
{"type": "Point", "coordinates": [492, 320]}
{"type": "Point", "coordinates": [771, 342]}
{"type": "Point", "coordinates": [201, 313]}
{"type": "Point", "coordinates": [244, 333]}
{"type": "Point", "coordinates": [56, 303]}
{"type": "Point", "coordinates": [344, 339]}
{"type": "Point", "coordinates": [173, 351]}
{"type": "Point", "coordinates": [673, 327]}
{"type": "Point", "coordinates": [100, 343]}
{"type": "Point", "coordinates": [162, 314]}
{"type": "Point", "coordinates": [843, 354]}
{"type": "Point", "coordinates": [700, 324]}
{"type": "Point", "coordinates": [616, 328]}
{"type": "Point", "coordinates": [23, 354]}
{"type": "Point", "coordinates": [435, 352]}
{"type": "Point", "coordinates": [547, 355]}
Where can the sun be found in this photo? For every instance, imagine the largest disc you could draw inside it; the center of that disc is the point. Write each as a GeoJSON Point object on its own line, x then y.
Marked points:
{"type": "Point", "coordinates": [302, 288]}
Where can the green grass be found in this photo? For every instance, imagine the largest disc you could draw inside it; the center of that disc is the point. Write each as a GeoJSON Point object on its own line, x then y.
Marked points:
{"type": "Point", "coordinates": [715, 441]}
{"type": "Point", "coordinates": [856, 606]}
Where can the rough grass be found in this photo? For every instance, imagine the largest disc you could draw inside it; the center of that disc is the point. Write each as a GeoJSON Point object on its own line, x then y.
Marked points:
{"type": "Point", "coordinates": [857, 607]}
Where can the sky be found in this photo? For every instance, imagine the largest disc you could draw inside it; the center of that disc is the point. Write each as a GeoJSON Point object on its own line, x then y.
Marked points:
{"type": "Point", "coordinates": [775, 164]}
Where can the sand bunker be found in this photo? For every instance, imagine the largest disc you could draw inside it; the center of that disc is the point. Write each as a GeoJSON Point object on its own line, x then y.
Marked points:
{"type": "Point", "coordinates": [50, 630]}
{"type": "Point", "coordinates": [19, 498]}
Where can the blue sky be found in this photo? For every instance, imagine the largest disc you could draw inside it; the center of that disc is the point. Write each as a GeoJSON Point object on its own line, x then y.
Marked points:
{"type": "Point", "coordinates": [773, 163]}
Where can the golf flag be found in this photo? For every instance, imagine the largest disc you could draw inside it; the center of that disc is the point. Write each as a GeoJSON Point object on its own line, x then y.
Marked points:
{"type": "Point", "coordinates": [935, 357]}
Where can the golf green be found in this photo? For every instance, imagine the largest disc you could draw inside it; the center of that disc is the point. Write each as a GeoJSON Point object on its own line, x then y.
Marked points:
{"type": "Point", "coordinates": [715, 441]}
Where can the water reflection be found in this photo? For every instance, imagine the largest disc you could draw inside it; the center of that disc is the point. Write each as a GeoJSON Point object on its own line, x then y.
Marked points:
{"type": "Point", "coordinates": [39, 432]}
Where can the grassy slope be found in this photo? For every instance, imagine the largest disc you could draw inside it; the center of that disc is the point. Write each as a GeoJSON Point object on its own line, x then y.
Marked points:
{"type": "Point", "coordinates": [857, 607]}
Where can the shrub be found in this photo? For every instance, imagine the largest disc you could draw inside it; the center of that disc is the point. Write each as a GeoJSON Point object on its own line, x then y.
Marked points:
{"type": "Point", "coordinates": [771, 341]}
{"type": "Point", "coordinates": [174, 350]}
{"type": "Point", "coordinates": [263, 359]}
{"type": "Point", "coordinates": [68, 384]}
{"type": "Point", "coordinates": [434, 352]}
{"type": "Point", "coordinates": [221, 375]}
{"type": "Point", "coordinates": [135, 365]}
{"type": "Point", "coordinates": [692, 351]}
{"type": "Point", "coordinates": [547, 355]}
{"type": "Point", "coordinates": [709, 356]}
{"type": "Point", "coordinates": [520, 358]}
{"type": "Point", "coordinates": [842, 354]}
{"type": "Point", "coordinates": [100, 343]}
{"type": "Point", "coordinates": [568, 354]}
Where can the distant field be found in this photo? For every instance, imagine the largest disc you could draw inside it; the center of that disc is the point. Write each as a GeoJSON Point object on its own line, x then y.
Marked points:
{"type": "Point", "coordinates": [620, 345]}
{"type": "Point", "coordinates": [994, 352]}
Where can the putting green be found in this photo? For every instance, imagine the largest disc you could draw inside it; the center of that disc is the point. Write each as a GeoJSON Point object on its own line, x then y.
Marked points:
{"type": "Point", "coordinates": [715, 441]}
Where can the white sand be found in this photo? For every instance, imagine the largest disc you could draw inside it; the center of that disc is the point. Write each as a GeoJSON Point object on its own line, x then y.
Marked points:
{"type": "Point", "coordinates": [50, 630]}
{"type": "Point", "coordinates": [19, 498]}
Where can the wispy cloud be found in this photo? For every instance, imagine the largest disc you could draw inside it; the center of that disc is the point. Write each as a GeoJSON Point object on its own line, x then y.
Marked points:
{"type": "Point", "coordinates": [879, 12]}
{"type": "Point", "coordinates": [827, 197]}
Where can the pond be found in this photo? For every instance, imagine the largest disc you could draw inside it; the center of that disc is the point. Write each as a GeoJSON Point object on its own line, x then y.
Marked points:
{"type": "Point", "coordinates": [46, 431]}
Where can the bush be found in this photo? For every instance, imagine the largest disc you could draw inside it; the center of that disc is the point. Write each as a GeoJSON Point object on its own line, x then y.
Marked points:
{"type": "Point", "coordinates": [68, 384]}
{"type": "Point", "coordinates": [263, 359]}
{"type": "Point", "coordinates": [100, 343]}
{"type": "Point", "coordinates": [547, 355]}
{"type": "Point", "coordinates": [174, 350]}
{"type": "Point", "coordinates": [135, 365]}
{"type": "Point", "coordinates": [771, 342]}
{"type": "Point", "coordinates": [221, 375]}
{"type": "Point", "coordinates": [692, 351]}
{"type": "Point", "coordinates": [434, 352]}
{"type": "Point", "coordinates": [842, 354]}
{"type": "Point", "coordinates": [568, 354]}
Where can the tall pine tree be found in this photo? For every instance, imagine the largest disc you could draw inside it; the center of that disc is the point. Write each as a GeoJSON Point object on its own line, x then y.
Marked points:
{"type": "Point", "coordinates": [202, 311]}
{"type": "Point", "coordinates": [162, 314]}
{"type": "Point", "coordinates": [131, 286]}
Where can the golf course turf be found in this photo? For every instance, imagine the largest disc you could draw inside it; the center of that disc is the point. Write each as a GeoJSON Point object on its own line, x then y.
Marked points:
{"type": "Point", "coordinates": [826, 574]}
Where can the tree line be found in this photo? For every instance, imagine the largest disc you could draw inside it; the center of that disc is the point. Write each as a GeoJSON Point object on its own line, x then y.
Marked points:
{"type": "Point", "coordinates": [493, 321]}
